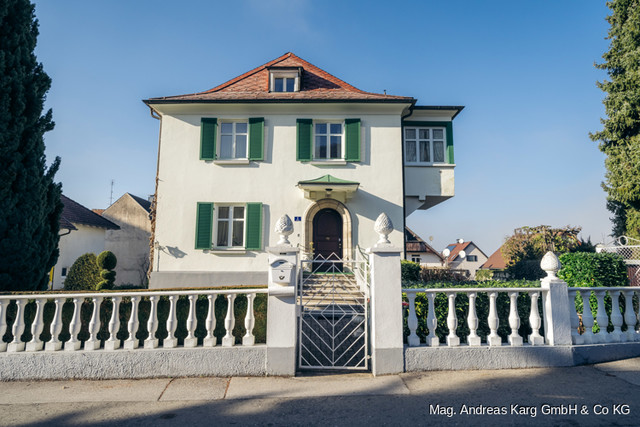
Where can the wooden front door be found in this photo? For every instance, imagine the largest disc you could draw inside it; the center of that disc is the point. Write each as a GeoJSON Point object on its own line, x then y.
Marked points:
{"type": "Point", "coordinates": [327, 234]}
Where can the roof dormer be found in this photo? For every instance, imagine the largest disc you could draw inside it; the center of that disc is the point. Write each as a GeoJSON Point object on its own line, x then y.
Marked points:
{"type": "Point", "coordinates": [284, 79]}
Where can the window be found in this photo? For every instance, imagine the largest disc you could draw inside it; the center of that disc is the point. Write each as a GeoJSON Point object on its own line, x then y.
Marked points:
{"type": "Point", "coordinates": [233, 140]}
{"type": "Point", "coordinates": [284, 79]}
{"type": "Point", "coordinates": [472, 258]}
{"type": "Point", "coordinates": [424, 145]}
{"type": "Point", "coordinates": [415, 258]}
{"type": "Point", "coordinates": [230, 226]}
{"type": "Point", "coordinates": [64, 272]}
{"type": "Point", "coordinates": [328, 141]}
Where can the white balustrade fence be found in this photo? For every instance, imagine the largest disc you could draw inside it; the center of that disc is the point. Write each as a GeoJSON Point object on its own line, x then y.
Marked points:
{"type": "Point", "coordinates": [114, 333]}
{"type": "Point", "coordinates": [492, 320]}
{"type": "Point", "coordinates": [616, 309]}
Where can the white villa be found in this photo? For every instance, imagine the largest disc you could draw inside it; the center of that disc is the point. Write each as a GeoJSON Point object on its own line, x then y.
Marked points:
{"type": "Point", "coordinates": [288, 138]}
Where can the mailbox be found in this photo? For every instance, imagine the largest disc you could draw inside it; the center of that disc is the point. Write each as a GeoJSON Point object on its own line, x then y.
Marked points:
{"type": "Point", "coordinates": [281, 272]}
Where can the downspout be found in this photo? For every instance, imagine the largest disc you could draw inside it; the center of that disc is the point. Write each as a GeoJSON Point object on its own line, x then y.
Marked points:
{"type": "Point", "coordinates": [404, 208]}
{"type": "Point", "coordinates": [152, 213]}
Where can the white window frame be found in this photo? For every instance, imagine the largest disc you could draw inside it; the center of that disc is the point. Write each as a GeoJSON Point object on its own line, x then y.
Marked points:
{"type": "Point", "coordinates": [431, 141]}
{"type": "Point", "coordinates": [233, 140]}
{"type": "Point", "coordinates": [343, 147]}
{"type": "Point", "coordinates": [416, 256]}
{"type": "Point", "coordinates": [282, 74]}
{"type": "Point", "coordinates": [472, 260]}
{"type": "Point", "coordinates": [230, 221]}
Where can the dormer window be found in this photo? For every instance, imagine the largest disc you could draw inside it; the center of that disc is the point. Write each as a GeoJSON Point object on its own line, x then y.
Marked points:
{"type": "Point", "coordinates": [284, 79]}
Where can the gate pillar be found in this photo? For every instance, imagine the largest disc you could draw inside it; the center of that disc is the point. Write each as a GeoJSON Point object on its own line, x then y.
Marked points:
{"type": "Point", "coordinates": [386, 303]}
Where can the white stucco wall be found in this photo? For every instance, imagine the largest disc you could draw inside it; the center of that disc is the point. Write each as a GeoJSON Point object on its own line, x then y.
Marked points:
{"type": "Point", "coordinates": [130, 244]}
{"type": "Point", "coordinates": [79, 242]}
{"type": "Point", "coordinates": [184, 180]}
{"type": "Point", "coordinates": [426, 259]}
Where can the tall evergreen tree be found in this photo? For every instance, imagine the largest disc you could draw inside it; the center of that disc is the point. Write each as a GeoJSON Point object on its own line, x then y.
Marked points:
{"type": "Point", "coordinates": [620, 137]}
{"type": "Point", "coordinates": [30, 203]}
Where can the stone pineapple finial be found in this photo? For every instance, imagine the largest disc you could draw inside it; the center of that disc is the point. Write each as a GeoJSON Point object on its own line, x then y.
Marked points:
{"type": "Point", "coordinates": [284, 227]}
{"type": "Point", "coordinates": [383, 227]}
{"type": "Point", "coordinates": [550, 264]}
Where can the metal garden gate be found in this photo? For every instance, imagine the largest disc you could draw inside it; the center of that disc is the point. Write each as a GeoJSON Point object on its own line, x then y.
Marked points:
{"type": "Point", "coordinates": [332, 298]}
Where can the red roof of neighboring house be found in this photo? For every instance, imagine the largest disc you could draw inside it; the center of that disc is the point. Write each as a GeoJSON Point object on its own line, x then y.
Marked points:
{"type": "Point", "coordinates": [455, 250]}
{"type": "Point", "coordinates": [496, 261]}
{"type": "Point", "coordinates": [98, 211]}
{"type": "Point", "coordinates": [316, 85]}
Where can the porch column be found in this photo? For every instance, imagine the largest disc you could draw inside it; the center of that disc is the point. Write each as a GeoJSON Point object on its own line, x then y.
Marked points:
{"type": "Point", "coordinates": [557, 306]}
{"type": "Point", "coordinates": [386, 303]}
{"type": "Point", "coordinates": [281, 304]}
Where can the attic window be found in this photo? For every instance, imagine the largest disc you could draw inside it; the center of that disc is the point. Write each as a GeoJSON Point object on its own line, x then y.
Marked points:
{"type": "Point", "coordinates": [284, 79]}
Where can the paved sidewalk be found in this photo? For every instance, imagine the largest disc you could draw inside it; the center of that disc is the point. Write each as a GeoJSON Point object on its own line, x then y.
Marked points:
{"type": "Point", "coordinates": [603, 394]}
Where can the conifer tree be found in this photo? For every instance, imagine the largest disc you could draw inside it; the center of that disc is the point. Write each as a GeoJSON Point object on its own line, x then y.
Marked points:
{"type": "Point", "coordinates": [30, 203]}
{"type": "Point", "coordinates": [620, 137]}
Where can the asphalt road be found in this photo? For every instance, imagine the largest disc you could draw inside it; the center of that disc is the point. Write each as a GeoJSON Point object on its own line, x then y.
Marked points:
{"type": "Point", "coordinates": [604, 394]}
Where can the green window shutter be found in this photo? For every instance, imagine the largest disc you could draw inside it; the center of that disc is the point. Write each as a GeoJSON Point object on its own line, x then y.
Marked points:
{"type": "Point", "coordinates": [450, 143]}
{"type": "Point", "coordinates": [305, 147]}
{"type": "Point", "coordinates": [352, 132]}
{"type": "Point", "coordinates": [204, 225]}
{"type": "Point", "coordinates": [253, 227]}
{"type": "Point", "coordinates": [256, 138]}
{"type": "Point", "coordinates": [208, 129]}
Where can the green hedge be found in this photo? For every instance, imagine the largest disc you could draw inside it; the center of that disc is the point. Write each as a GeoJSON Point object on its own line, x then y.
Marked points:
{"type": "Point", "coordinates": [182, 312]}
{"type": "Point", "coordinates": [587, 269]}
{"type": "Point", "coordinates": [482, 309]}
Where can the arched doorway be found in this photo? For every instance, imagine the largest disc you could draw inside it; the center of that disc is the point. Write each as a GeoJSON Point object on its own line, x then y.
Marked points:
{"type": "Point", "coordinates": [309, 234]}
{"type": "Point", "coordinates": [327, 234]}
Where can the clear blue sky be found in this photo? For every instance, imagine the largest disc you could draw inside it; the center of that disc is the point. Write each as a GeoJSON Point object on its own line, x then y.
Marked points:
{"type": "Point", "coordinates": [523, 70]}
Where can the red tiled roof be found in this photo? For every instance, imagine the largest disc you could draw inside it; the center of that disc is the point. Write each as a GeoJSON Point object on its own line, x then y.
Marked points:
{"type": "Point", "coordinates": [456, 249]}
{"type": "Point", "coordinates": [496, 261]}
{"type": "Point", "coordinates": [316, 85]}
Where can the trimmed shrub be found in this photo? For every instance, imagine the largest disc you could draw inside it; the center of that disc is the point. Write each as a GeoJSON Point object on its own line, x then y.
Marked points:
{"type": "Point", "coordinates": [588, 269]}
{"type": "Point", "coordinates": [484, 275]}
{"type": "Point", "coordinates": [410, 271]}
{"type": "Point", "coordinates": [442, 274]}
{"type": "Point", "coordinates": [83, 275]}
{"type": "Point", "coordinates": [106, 261]}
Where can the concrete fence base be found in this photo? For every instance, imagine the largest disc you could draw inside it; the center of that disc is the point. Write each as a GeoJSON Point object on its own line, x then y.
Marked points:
{"type": "Point", "coordinates": [507, 357]}
{"type": "Point", "coordinates": [122, 364]}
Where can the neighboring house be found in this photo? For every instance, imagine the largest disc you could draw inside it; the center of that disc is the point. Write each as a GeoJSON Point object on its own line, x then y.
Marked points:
{"type": "Point", "coordinates": [288, 138]}
{"type": "Point", "coordinates": [465, 256]}
{"type": "Point", "coordinates": [417, 250]}
{"type": "Point", "coordinates": [130, 243]}
{"type": "Point", "coordinates": [497, 264]}
{"type": "Point", "coordinates": [81, 231]}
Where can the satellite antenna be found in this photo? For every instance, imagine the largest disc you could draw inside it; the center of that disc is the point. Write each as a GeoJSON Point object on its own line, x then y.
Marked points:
{"type": "Point", "coordinates": [462, 254]}
{"type": "Point", "coordinates": [446, 252]}
{"type": "Point", "coordinates": [431, 238]}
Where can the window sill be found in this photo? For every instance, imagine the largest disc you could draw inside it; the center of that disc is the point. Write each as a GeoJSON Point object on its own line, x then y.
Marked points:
{"type": "Point", "coordinates": [328, 162]}
{"type": "Point", "coordinates": [431, 165]}
{"type": "Point", "coordinates": [232, 162]}
{"type": "Point", "coordinates": [233, 251]}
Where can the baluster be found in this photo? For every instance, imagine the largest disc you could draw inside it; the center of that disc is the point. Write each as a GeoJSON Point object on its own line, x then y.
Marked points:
{"type": "Point", "coordinates": [432, 322]}
{"type": "Point", "coordinates": [93, 343]}
{"type": "Point", "coordinates": [472, 320]}
{"type": "Point", "coordinates": [249, 322]}
{"type": "Point", "coordinates": [152, 323]}
{"type": "Point", "coordinates": [3, 323]}
{"type": "Point", "coordinates": [493, 321]}
{"type": "Point", "coordinates": [18, 329]}
{"type": "Point", "coordinates": [535, 322]}
{"type": "Point", "coordinates": [630, 317]}
{"type": "Point", "coordinates": [616, 317]}
{"type": "Point", "coordinates": [36, 328]}
{"type": "Point", "coordinates": [171, 341]}
{"type": "Point", "coordinates": [602, 318]}
{"type": "Point", "coordinates": [54, 343]}
{"type": "Point", "coordinates": [114, 325]}
{"type": "Point", "coordinates": [74, 327]}
{"type": "Point", "coordinates": [576, 338]}
{"type": "Point", "coordinates": [210, 323]}
{"type": "Point", "coordinates": [514, 320]}
{"type": "Point", "coordinates": [132, 342]}
{"type": "Point", "coordinates": [587, 318]}
{"type": "Point", "coordinates": [452, 321]}
{"type": "Point", "coordinates": [191, 340]}
{"type": "Point", "coordinates": [229, 322]}
{"type": "Point", "coordinates": [412, 321]}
